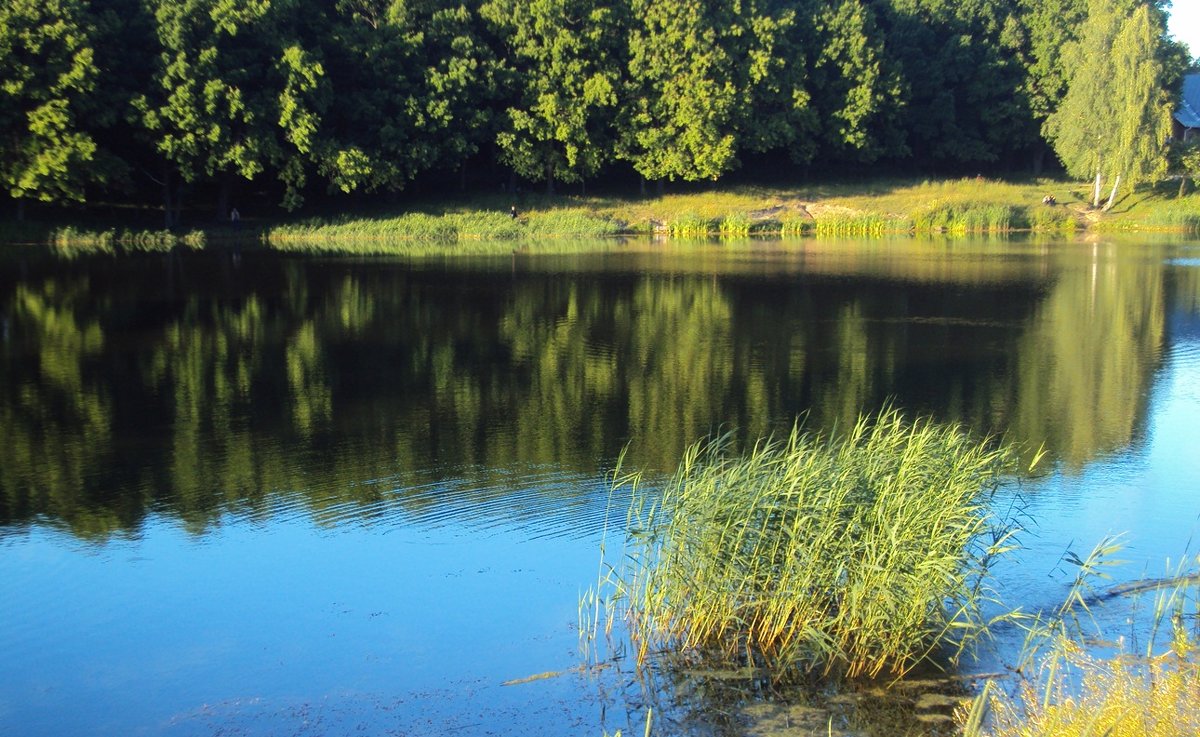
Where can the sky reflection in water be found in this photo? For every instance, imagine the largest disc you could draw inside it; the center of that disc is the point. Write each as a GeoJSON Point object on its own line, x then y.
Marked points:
{"type": "Point", "coordinates": [300, 496]}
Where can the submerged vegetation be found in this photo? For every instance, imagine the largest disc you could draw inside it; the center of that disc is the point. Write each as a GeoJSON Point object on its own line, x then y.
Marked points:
{"type": "Point", "coordinates": [858, 555]}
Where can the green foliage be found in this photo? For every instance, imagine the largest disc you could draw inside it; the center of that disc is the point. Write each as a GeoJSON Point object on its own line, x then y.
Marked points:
{"type": "Point", "coordinates": [1047, 28]}
{"type": "Point", "coordinates": [568, 69]}
{"type": "Point", "coordinates": [48, 80]}
{"type": "Point", "coordinates": [412, 83]}
{"type": "Point", "coordinates": [705, 80]}
{"type": "Point", "coordinates": [200, 97]}
{"type": "Point", "coordinates": [856, 92]}
{"type": "Point", "coordinates": [861, 554]}
{"type": "Point", "coordinates": [960, 82]}
{"type": "Point", "coordinates": [235, 92]}
{"type": "Point", "coordinates": [1116, 112]}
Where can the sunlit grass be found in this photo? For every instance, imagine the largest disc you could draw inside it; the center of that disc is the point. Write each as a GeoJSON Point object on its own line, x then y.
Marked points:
{"type": "Point", "coordinates": [858, 555]}
{"type": "Point", "coordinates": [872, 225]}
{"type": "Point", "coordinates": [1065, 688]}
{"type": "Point", "coordinates": [871, 209]}
{"type": "Point", "coordinates": [447, 227]}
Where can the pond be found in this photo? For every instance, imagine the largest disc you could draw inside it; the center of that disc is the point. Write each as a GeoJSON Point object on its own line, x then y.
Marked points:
{"type": "Point", "coordinates": [252, 493]}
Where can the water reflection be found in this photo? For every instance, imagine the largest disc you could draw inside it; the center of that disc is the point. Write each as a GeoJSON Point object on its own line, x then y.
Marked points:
{"type": "Point", "coordinates": [201, 386]}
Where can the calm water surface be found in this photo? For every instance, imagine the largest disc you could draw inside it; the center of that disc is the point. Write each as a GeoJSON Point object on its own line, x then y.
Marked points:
{"type": "Point", "coordinates": [269, 495]}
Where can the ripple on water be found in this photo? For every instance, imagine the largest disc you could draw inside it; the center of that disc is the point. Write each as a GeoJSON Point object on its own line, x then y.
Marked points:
{"type": "Point", "coordinates": [533, 502]}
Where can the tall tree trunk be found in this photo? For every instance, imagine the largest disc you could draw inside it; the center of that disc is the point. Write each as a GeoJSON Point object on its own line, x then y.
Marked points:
{"type": "Point", "coordinates": [642, 186]}
{"type": "Point", "coordinates": [1096, 191]}
{"type": "Point", "coordinates": [658, 188]}
{"type": "Point", "coordinates": [550, 180]}
{"type": "Point", "coordinates": [1183, 184]}
{"type": "Point", "coordinates": [1112, 197]}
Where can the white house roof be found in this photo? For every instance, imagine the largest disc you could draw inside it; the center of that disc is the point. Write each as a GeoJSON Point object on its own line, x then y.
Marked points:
{"type": "Point", "coordinates": [1188, 113]}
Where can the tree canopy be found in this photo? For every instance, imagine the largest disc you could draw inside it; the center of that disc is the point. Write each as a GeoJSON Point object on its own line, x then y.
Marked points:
{"type": "Point", "coordinates": [296, 97]}
{"type": "Point", "coordinates": [1115, 117]}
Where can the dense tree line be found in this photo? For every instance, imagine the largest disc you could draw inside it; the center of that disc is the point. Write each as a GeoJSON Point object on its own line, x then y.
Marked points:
{"type": "Point", "coordinates": [117, 99]}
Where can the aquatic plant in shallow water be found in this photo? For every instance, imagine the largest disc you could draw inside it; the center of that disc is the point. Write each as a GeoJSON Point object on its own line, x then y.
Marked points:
{"type": "Point", "coordinates": [858, 555]}
{"type": "Point", "coordinates": [1065, 688]}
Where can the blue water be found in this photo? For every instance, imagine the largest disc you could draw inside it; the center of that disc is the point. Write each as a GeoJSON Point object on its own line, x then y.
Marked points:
{"type": "Point", "coordinates": [285, 496]}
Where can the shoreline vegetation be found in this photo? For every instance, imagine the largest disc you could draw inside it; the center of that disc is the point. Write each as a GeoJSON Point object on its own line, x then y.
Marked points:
{"type": "Point", "coordinates": [481, 224]}
{"type": "Point", "coordinates": [857, 555]}
{"type": "Point", "coordinates": [867, 554]}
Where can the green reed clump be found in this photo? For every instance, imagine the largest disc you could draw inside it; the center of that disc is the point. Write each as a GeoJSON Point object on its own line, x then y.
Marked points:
{"type": "Point", "coordinates": [568, 223]}
{"type": "Point", "coordinates": [1052, 219]}
{"type": "Point", "coordinates": [793, 225]}
{"type": "Point", "coordinates": [446, 228]}
{"type": "Point", "coordinates": [689, 225]}
{"type": "Point", "coordinates": [858, 555]}
{"type": "Point", "coordinates": [1182, 218]}
{"type": "Point", "coordinates": [965, 217]}
{"type": "Point", "coordinates": [735, 225]}
{"type": "Point", "coordinates": [69, 240]}
{"type": "Point", "coordinates": [856, 226]}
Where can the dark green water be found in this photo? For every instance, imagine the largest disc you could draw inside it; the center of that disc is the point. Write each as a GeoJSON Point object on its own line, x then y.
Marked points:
{"type": "Point", "coordinates": [257, 494]}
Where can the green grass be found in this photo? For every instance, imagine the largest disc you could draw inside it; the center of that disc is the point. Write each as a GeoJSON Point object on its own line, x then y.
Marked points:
{"type": "Point", "coordinates": [1052, 219]}
{"type": "Point", "coordinates": [735, 225]}
{"type": "Point", "coordinates": [450, 227]}
{"type": "Point", "coordinates": [796, 225]}
{"type": "Point", "coordinates": [863, 225]}
{"type": "Point", "coordinates": [689, 225]}
{"type": "Point", "coordinates": [874, 209]}
{"type": "Point", "coordinates": [859, 555]}
{"type": "Point", "coordinates": [958, 218]}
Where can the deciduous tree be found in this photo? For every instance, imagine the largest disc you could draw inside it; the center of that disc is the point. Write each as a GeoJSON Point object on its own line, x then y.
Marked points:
{"type": "Point", "coordinates": [567, 58]}
{"type": "Point", "coordinates": [1116, 115]}
{"type": "Point", "coordinates": [47, 89]}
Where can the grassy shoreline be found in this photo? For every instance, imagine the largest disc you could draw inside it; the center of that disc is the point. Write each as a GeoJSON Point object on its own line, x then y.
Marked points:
{"type": "Point", "coordinates": [884, 208]}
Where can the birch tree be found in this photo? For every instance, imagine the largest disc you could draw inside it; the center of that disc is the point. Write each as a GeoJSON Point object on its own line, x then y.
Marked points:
{"type": "Point", "coordinates": [1116, 115]}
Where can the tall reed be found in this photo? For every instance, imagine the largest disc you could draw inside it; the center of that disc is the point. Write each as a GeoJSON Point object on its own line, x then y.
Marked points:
{"type": "Point", "coordinates": [965, 217]}
{"type": "Point", "coordinates": [735, 225]}
{"type": "Point", "coordinates": [859, 555]}
{"type": "Point", "coordinates": [868, 224]}
{"type": "Point", "coordinates": [1065, 688]}
{"type": "Point", "coordinates": [793, 225]}
{"type": "Point", "coordinates": [690, 225]}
